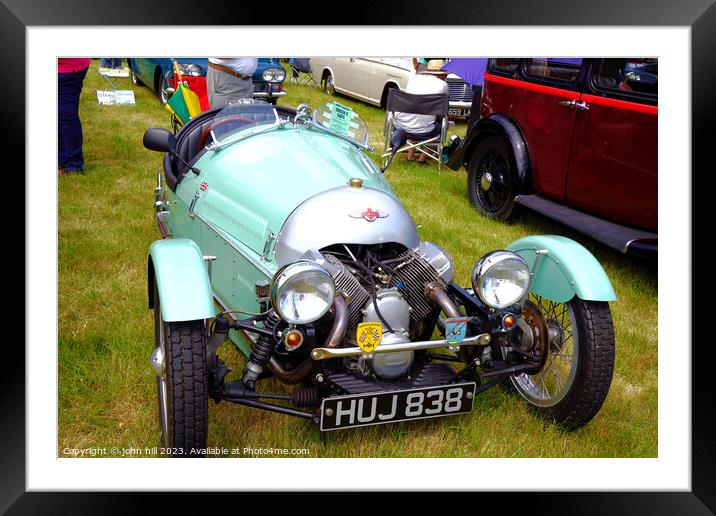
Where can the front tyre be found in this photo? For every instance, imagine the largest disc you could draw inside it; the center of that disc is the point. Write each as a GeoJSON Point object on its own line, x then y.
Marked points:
{"type": "Point", "coordinates": [492, 179]}
{"type": "Point", "coordinates": [573, 383]}
{"type": "Point", "coordinates": [182, 389]}
{"type": "Point", "coordinates": [328, 86]}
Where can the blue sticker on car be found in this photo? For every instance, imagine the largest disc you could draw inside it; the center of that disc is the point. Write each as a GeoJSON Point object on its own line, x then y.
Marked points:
{"type": "Point", "coordinates": [456, 329]}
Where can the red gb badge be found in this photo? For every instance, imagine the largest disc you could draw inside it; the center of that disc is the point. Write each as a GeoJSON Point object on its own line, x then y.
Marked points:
{"type": "Point", "coordinates": [203, 186]}
{"type": "Point", "coordinates": [369, 214]}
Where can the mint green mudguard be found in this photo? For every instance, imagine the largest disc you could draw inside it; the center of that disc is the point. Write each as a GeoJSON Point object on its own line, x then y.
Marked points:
{"type": "Point", "coordinates": [182, 280]}
{"type": "Point", "coordinates": [565, 269]}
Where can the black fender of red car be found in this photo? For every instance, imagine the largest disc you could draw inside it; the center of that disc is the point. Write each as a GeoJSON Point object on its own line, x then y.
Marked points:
{"type": "Point", "coordinates": [504, 127]}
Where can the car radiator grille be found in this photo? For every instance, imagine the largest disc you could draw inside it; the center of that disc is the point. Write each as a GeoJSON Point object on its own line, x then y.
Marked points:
{"type": "Point", "coordinates": [460, 91]}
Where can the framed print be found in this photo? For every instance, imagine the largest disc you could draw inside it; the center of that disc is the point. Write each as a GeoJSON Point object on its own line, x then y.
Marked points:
{"type": "Point", "coordinates": [81, 413]}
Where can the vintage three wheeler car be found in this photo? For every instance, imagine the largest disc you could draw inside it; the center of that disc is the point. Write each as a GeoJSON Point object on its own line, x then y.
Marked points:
{"type": "Point", "coordinates": [280, 234]}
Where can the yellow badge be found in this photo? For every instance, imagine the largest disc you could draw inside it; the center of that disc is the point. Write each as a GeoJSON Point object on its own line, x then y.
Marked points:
{"type": "Point", "coordinates": [368, 335]}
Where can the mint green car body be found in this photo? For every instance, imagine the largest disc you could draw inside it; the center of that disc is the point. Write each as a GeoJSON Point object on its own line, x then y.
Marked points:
{"type": "Point", "coordinates": [564, 269]}
{"type": "Point", "coordinates": [236, 214]}
{"type": "Point", "coordinates": [233, 219]}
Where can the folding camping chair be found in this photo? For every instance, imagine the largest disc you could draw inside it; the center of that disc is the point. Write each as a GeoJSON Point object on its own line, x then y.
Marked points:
{"type": "Point", "coordinates": [398, 140]}
{"type": "Point", "coordinates": [114, 95]}
{"type": "Point", "coordinates": [301, 71]}
{"type": "Point", "coordinates": [112, 74]}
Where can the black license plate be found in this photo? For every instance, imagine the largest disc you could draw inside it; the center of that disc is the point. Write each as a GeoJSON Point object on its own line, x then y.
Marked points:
{"type": "Point", "coordinates": [459, 112]}
{"type": "Point", "coordinates": [392, 406]}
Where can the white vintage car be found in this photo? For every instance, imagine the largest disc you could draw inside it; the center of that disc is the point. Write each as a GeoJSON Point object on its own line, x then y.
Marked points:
{"type": "Point", "coordinates": [370, 78]}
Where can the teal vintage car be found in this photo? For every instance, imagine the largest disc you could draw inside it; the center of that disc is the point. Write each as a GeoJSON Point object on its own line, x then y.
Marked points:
{"type": "Point", "coordinates": [280, 234]}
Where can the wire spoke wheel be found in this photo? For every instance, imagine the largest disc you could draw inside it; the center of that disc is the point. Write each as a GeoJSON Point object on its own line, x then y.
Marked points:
{"type": "Point", "coordinates": [492, 188]}
{"type": "Point", "coordinates": [574, 341]}
{"type": "Point", "coordinates": [550, 385]}
{"type": "Point", "coordinates": [492, 181]}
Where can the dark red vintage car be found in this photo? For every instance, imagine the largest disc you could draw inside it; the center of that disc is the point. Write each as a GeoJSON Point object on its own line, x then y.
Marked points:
{"type": "Point", "coordinates": [573, 139]}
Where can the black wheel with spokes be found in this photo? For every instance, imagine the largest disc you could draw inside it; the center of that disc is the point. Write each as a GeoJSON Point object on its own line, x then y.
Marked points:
{"type": "Point", "coordinates": [577, 347]}
{"type": "Point", "coordinates": [491, 181]}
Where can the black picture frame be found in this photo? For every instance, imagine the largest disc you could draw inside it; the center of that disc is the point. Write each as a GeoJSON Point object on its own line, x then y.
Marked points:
{"type": "Point", "coordinates": [699, 15]}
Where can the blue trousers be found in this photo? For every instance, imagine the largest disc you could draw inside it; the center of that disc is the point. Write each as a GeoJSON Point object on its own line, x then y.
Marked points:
{"type": "Point", "coordinates": [110, 62]}
{"type": "Point", "coordinates": [69, 128]}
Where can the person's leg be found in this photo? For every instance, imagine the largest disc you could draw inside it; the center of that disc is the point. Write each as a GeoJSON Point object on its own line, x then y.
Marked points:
{"type": "Point", "coordinates": [69, 86]}
{"type": "Point", "coordinates": [247, 89]}
{"type": "Point", "coordinates": [216, 88]}
{"type": "Point", "coordinates": [61, 153]}
{"type": "Point", "coordinates": [235, 89]}
{"type": "Point", "coordinates": [105, 62]}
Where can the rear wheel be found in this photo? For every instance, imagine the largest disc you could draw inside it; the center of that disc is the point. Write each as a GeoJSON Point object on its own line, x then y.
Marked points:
{"type": "Point", "coordinates": [182, 388]}
{"type": "Point", "coordinates": [577, 370]}
{"type": "Point", "coordinates": [491, 179]}
{"type": "Point", "coordinates": [328, 85]}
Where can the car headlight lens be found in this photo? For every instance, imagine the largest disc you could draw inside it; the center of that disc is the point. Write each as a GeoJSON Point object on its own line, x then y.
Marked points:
{"type": "Point", "coordinates": [302, 292]}
{"type": "Point", "coordinates": [274, 74]}
{"type": "Point", "coordinates": [191, 70]}
{"type": "Point", "coordinates": [501, 279]}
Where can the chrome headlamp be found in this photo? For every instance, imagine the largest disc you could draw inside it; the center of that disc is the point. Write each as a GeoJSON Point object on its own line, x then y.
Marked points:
{"type": "Point", "coordinates": [273, 74]}
{"type": "Point", "coordinates": [190, 70]}
{"type": "Point", "coordinates": [501, 279]}
{"type": "Point", "coordinates": [302, 292]}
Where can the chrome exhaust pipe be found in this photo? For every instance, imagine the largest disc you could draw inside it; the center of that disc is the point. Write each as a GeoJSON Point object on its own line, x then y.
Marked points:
{"type": "Point", "coordinates": [334, 338]}
{"type": "Point", "coordinates": [436, 293]}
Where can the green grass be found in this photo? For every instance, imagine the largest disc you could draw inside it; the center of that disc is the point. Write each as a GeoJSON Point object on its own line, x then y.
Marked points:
{"type": "Point", "coordinates": [107, 390]}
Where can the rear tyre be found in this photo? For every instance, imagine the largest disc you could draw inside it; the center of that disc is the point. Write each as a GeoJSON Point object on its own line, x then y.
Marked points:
{"type": "Point", "coordinates": [574, 381]}
{"type": "Point", "coordinates": [182, 389]}
{"type": "Point", "coordinates": [492, 179]}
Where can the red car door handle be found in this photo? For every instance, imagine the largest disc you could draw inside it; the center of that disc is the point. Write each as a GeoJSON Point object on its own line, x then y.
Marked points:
{"type": "Point", "coordinates": [568, 103]}
{"type": "Point", "coordinates": [581, 105]}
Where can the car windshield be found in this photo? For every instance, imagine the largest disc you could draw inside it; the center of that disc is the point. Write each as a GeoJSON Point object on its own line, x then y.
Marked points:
{"type": "Point", "coordinates": [241, 119]}
{"type": "Point", "coordinates": [341, 120]}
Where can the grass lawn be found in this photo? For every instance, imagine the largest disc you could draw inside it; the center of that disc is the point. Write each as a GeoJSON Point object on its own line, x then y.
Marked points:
{"type": "Point", "coordinates": [107, 391]}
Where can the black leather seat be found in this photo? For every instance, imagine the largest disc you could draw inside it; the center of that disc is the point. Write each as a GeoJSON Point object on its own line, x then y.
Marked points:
{"type": "Point", "coordinates": [189, 137]}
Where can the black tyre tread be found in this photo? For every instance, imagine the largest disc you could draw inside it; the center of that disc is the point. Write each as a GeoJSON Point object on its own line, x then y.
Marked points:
{"type": "Point", "coordinates": [596, 367]}
{"type": "Point", "coordinates": [511, 209]}
{"type": "Point", "coordinates": [187, 386]}
{"type": "Point", "coordinates": [594, 375]}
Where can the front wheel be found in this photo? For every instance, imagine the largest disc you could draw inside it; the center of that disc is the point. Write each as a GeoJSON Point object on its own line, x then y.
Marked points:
{"type": "Point", "coordinates": [162, 87]}
{"type": "Point", "coordinates": [491, 179]}
{"type": "Point", "coordinates": [577, 371]}
{"type": "Point", "coordinates": [328, 85]}
{"type": "Point", "coordinates": [182, 386]}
